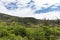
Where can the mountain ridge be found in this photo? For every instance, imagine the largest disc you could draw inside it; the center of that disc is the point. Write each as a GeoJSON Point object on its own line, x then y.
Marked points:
{"type": "Point", "coordinates": [28, 21]}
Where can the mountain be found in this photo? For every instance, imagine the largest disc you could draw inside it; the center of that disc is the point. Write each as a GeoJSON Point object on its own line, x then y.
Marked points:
{"type": "Point", "coordinates": [21, 20]}
{"type": "Point", "coordinates": [28, 21]}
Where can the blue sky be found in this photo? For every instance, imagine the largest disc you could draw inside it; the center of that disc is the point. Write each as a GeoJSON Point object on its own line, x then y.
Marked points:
{"type": "Point", "coordinates": [48, 9]}
{"type": "Point", "coordinates": [39, 9]}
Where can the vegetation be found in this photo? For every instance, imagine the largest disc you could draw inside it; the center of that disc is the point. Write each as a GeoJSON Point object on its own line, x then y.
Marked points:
{"type": "Point", "coordinates": [15, 28]}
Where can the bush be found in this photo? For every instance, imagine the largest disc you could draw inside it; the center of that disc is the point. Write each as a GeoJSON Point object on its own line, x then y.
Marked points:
{"type": "Point", "coordinates": [35, 34]}
{"type": "Point", "coordinates": [3, 31]}
{"type": "Point", "coordinates": [19, 30]}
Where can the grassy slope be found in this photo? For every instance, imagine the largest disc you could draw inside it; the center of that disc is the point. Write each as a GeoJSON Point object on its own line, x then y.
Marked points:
{"type": "Point", "coordinates": [15, 28]}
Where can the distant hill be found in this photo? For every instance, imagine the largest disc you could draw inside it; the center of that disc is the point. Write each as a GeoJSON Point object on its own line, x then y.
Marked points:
{"type": "Point", "coordinates": [28, 21]}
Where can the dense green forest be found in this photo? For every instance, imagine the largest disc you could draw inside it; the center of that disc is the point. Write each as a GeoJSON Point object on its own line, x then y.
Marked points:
{"type": "Point", "coordinates": [28, 28]}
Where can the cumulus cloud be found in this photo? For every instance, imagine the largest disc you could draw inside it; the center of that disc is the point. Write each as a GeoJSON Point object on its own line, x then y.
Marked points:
{"type": "Point", "coordinates": [39, 9]}
{"type": "Point", "coordinates": [40, 3]}
{"type": "Point", "coordinates": [48, 9]}
{"type": "Point", "coordinates": [50, 15]}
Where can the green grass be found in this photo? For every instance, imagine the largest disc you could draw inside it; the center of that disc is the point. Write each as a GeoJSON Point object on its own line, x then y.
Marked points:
{"type": "Point", "coordinates": [14, 31]}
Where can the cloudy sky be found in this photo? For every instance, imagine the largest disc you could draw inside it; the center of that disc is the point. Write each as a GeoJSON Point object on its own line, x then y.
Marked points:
{"type": "Point", "coordinates": [39, 9]}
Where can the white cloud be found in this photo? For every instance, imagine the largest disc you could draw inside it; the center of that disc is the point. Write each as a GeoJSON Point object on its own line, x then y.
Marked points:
{"type": "Point", "coordinates": [23, 1]}
{"type": "Point", "coordinates": [7, 0]}
{"type": "Point", "coordinates": [50, 15]}
{"type": "Point", "coordinates": [40, 3]}
{"type": "Point", "coordinates": [28, 12]}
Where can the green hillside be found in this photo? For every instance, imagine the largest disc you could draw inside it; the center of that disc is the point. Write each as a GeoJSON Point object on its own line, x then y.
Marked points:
{"type": "Point", "coordinates": [28, 28]}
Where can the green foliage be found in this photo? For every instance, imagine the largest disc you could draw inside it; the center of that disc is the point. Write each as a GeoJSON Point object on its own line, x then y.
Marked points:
{"type": "Point", "coordinates": [19, 32]}
{"type": "Point", "coordinates": [15, 28]}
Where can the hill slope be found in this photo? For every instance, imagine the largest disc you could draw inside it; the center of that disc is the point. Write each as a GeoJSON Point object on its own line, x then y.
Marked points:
{"type": "Point", "coordinates": [18, 28]}
{"type": "Point", "coordinates": [20, 20]}
{"type": "Point", "coordinates": [28, 21]}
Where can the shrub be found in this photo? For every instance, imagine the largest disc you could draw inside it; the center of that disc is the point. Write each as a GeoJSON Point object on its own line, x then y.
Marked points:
{"type": "Point", "coordinates": [19, 30]}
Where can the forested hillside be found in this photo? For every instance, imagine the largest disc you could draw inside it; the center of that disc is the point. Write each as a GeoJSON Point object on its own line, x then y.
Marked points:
{"type": "Point", "coordinates": [28, 28]}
